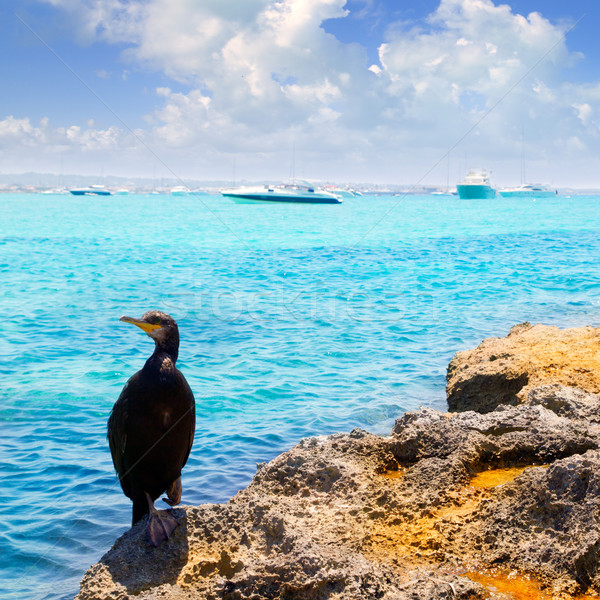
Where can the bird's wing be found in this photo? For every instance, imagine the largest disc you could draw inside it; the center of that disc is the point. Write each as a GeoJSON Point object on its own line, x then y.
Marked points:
{"type": "Point", "coordinates": [193, 420]}
{"type": "Point", "coordinates": [117, 434]}
{"type": "Point", "coordinates": [192, 432]}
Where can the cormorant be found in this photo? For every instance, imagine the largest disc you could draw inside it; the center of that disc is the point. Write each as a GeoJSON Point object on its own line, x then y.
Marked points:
{"type": "Point", "coordinates": [151, 427]}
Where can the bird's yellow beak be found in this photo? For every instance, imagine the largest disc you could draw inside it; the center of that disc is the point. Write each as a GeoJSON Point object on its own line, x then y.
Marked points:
{"type": "Point", "coordinates": [143, 325]}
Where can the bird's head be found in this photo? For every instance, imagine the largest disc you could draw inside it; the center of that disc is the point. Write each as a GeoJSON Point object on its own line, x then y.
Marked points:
{"type": "Point", "coordinates": [160, 326]}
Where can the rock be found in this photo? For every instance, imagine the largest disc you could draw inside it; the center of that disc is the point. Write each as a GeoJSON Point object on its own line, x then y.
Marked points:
{"type": "Point", "coordinates": [560, 504]}
{"type": "Point", "coordinates": [503, 370]}
{"type": "Point", "coordinates": [456, 505]}
{"type": "Point", "coordinates": [302, 529]}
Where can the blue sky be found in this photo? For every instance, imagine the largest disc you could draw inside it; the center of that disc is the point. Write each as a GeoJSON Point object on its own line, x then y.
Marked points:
{"type": "Point", "coordinates": [363, 90]}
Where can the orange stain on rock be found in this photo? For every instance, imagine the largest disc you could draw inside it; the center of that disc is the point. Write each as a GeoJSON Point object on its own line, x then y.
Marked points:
{"type": "Point", "coordinates": [425, 537]}
{"type": "Point", "coordinates": [396, 474]}
{"type": "Point", "coordinates": [494, 477]}
{"type": "Point", "coordinates": [432, 538]}
{"type": "Point", "coordinates": [513, 586]}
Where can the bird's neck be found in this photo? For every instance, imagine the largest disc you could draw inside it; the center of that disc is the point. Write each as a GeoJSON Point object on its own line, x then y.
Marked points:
{"type": "Point", "coordinates": [163, 353]}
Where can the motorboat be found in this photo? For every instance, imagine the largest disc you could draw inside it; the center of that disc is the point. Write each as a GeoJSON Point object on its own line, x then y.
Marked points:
{"type": "Point", "coordinates": [180, 190]}
{"type": "Point", "coordinates": [93, 190]}
{"type": "Point", "coordinates": [341, 192]}
{"type": "Point", "coordinates": [56, 191]}
{"type": "Point", "coordinates": [528, 190]}
{"type": "Point", "coordinates": [476, 185]}
{"type": "Point", "coordinates": [295, 192]}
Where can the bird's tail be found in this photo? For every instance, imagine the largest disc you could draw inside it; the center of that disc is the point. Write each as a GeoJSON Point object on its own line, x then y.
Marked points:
{"type": "Point", "coordinates": [174, 493]}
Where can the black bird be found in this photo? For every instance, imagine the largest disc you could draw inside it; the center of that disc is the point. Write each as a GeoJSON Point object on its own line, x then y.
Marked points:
{"type": "Point", "coordinates": [151, 428]}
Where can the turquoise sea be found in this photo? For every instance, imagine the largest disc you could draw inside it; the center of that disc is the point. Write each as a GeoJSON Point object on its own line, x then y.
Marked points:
{"type": "Point", "coordinates": [295, 321]}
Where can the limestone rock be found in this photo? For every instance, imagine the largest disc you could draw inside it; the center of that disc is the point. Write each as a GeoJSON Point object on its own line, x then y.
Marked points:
{"type": "Point", "coordinates": [362, 516]}
{"type": "Point", "coordinates": [456, 505]}
{"type": "Point", "coordinates": [303, 529]}
{"type": "Point", "coordinates": [503, 370]}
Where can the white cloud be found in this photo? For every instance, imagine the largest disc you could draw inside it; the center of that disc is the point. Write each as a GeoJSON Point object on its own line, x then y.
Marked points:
{"type": "Point", "coordinates": [36, 146]}
{"type": "Point", "coordinates": [11, 128]}
{"type": "Point", "coordinates": [584, 112]}
{"type": "Point", "coordinates": [265, 74]}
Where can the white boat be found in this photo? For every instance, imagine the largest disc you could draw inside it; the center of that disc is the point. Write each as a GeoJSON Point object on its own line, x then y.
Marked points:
{"type": "Point", "coordinates": [476, 185]}
{"type": "Point", "coordinates": [296, 192]}
{"type": "Point", "coordinates": [56, 191]}
{"type": "Point", "coordinates": [528, 190]}
{"type": "Point", "coordinates": [341, 192]}
{"type": "Point", "coordinates": [179, 190]}
{"type": "Point", "coordinates": [93, 190]}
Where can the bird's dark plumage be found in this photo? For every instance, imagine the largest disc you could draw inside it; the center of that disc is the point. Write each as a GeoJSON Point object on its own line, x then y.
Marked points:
{"type": "Point", "coordinates": [151, 427]}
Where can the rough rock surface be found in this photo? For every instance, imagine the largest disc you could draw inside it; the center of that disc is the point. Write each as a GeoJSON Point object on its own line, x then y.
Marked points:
{"type": "Point", "coordinates": [503, 370]}
{"type": "Point", "coordinates": [458, 505]}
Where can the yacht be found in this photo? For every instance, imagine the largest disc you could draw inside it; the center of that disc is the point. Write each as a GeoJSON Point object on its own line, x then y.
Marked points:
{"type": "Point", "coordinates": [295, 192]}
{"type": "Point", "coordinates": [345, 192]}
{"type": "Point", "coordinates": [93, 190]}
{"type": "Point", "coordinates": [180, 190]}
{"type": "Point", "coordinates": [476, 185]}
{"type": "Point", "coordinates": [56, 191]}
{"type": "Point", "coordinates": [528, 190]}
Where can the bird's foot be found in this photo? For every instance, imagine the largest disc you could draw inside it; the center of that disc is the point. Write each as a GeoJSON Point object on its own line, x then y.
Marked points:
{"type": "Point", "coordinates": [160, 527]}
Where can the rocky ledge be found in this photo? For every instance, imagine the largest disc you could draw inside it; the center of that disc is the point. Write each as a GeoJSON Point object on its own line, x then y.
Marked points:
{"type": "Point", "coordinates": [498, 504]}
{"type": "Point", "coordinates": [504, 370]}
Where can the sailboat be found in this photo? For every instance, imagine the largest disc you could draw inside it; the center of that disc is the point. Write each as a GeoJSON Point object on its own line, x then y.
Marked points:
{"type": "Point", "coordinates": [527, 190]}
{"type": "Point", "coordinates": [447, 191]}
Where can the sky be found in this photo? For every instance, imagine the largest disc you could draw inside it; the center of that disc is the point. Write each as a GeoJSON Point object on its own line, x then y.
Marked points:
{"type": "Point", "coordinates": [405, 92]}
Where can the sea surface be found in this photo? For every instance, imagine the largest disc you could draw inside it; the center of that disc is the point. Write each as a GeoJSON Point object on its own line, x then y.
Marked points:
{"type": "Point", "coordinates": [295, 321]}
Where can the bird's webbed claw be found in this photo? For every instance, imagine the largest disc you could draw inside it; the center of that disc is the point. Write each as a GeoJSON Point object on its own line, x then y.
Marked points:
{"type": "Point", "coordinates": [160, 526]}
